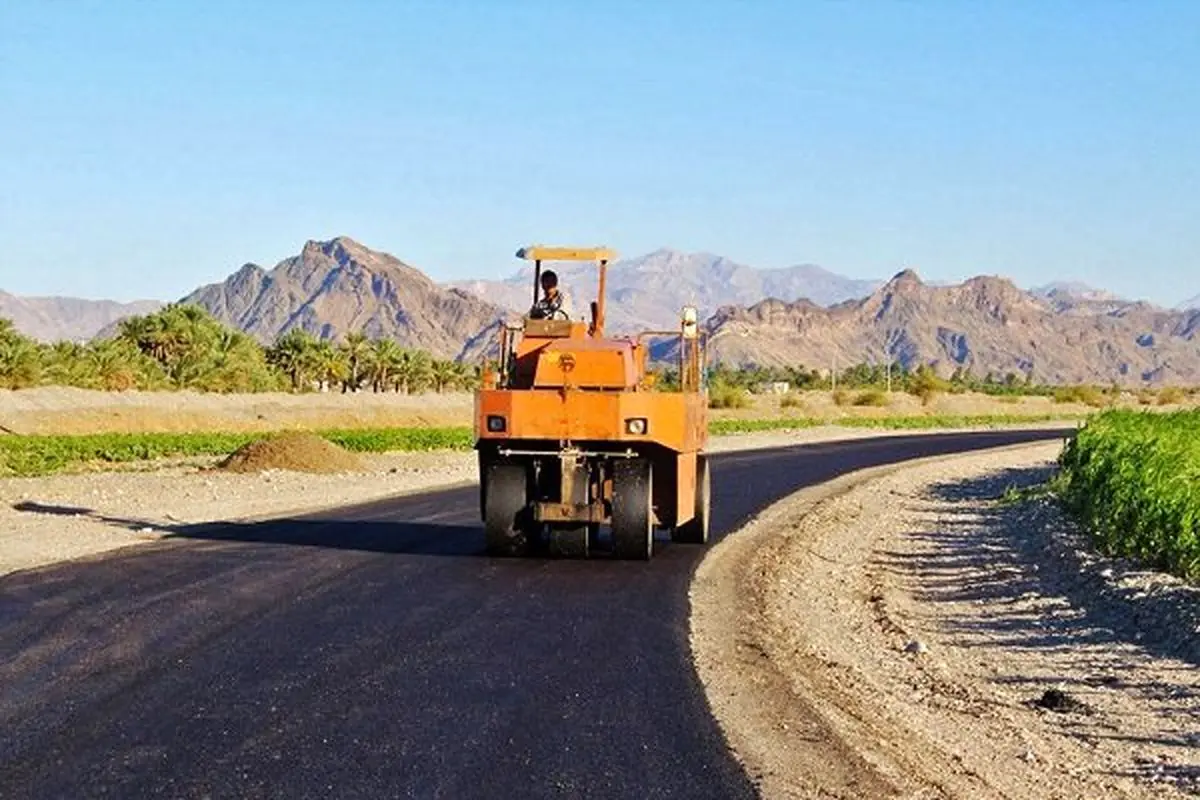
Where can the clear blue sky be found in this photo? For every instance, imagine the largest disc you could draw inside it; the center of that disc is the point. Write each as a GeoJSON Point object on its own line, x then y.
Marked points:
{"type": "Point", "coordinates": [146, 148]}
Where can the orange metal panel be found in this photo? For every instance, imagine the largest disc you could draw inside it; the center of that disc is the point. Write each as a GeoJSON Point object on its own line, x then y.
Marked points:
{"type": "Point", "coordinates": [675, 420]}
{"type": "Point", "coordinates": [685, 487]}
{"type": "Point", "coordinates": [571, 362]}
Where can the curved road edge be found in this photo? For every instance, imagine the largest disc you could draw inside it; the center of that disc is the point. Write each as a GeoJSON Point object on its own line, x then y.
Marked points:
{"type": "Point", "coordinates": [744, 686]}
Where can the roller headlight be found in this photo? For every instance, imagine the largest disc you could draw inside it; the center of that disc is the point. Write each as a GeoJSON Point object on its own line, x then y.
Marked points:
{"type": "Point", "coordinates": [636, 426]}
{"type": "Point", "coordinates": [496, 423]}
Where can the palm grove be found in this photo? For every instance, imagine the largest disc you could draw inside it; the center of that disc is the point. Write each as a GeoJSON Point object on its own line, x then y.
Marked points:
{"type": "Point", "coordinates": [184, 347]}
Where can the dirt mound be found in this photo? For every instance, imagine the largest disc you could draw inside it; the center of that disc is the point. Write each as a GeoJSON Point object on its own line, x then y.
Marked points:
{"type": "Point", "coordinates": [297, 452]}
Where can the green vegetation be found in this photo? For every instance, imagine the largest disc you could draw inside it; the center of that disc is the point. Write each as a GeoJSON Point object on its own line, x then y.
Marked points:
{"type": "Point", "coordinates": [872, 397]}
{"type": "Point", "coordinates": [42, 455]}
{"type": "Point", "coordinates": [29, 456]}
{"type": "Point", "coordinates": [725, 396]}
{"type": "Point", "coordinates": [1087, 395]}
{"type": "Point", "coordinates": [1133, 478]}
{"type": "Point", "coordinates": [1171, 395]}
{"type": "Point", "coordinates": [184, 347]}
{"type": "Point", "coordinates": [920, 381]}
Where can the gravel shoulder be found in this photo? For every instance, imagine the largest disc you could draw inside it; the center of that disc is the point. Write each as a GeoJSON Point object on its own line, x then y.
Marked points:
{"type": "Point", "coordinates": [49, 519]}
{"type": "Point", "coordinates": [890, 634]}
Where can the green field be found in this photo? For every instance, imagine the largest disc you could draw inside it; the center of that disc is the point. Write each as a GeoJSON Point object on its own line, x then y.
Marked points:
{"type": "Point", "coordinates": [1133, 479]}
{"type": "Point", "coordinates": [28, 456]}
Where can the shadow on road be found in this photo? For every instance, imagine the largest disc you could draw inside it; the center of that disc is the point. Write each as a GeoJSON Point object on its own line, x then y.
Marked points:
{"type": "Point", "coordinates": [416, 538]}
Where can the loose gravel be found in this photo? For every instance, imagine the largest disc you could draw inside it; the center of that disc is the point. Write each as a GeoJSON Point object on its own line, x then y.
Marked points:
{"type": "Point", "coordinates": [919, 635]}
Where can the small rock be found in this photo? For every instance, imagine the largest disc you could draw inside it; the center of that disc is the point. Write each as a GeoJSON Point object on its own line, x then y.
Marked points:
{"type": "Point", "coordinates": [1059, 701]}
{"type": "Point", "coordinates": [1028, 756]}
{"type": "Point", "coordinates": [917, 647]}
{"type": "Point", "coordinates": [1106, 573]}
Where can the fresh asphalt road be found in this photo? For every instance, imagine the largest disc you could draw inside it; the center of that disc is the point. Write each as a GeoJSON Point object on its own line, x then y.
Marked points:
{"type": "Point", "coordinates": [375, 651]}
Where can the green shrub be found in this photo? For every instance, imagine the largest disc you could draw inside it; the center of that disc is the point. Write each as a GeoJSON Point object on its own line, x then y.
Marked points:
{"type": "Point", "coordinates": [1171, 395]}
{"type": "Point", "coordinates": [871, 397]}
{"type": "Point", "coordinates": [1133, 479]}
{"type": "Point", "coordinates": [927, 385]}
{"type": "Point", "coordinates": [791, 400]}
{"type": "Point", "coordinates": [1084, 395]}
{"type": "Point", "coordinates": [728, 397]}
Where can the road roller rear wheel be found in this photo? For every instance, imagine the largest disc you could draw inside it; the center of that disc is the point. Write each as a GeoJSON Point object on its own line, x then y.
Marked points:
{"type": "Point", "coordinates": [506, 510]}
{"type": "Point", "coordinates": [632, 515]}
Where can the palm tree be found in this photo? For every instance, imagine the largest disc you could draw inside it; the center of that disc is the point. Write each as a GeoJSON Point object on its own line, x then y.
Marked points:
{"type": "Point", "coordinates": [443, 375]}
{"type": "Point", "coordinates": [330, 365]}
{"type": "Point", "coordinates": [414, 373]}
{"type": "Point", "coordinates": [114, 363]}
{"type": "Point", "coordinates": [383, 361]}
{"type": "Point", "coordinates": [293, 354]}
{"type": "Point", "coordinates": [20, 362]}
{"type": "Point", "coordinates": [66, 365]}
{"type": "Point", "coordinates": [357, 348]}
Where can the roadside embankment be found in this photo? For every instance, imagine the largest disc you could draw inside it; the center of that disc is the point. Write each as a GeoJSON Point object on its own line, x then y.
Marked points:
{"type": "Point", "coordinates": [924, 631]}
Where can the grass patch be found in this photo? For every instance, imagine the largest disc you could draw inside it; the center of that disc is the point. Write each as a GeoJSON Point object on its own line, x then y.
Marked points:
{"type": "Point", "coordinates": [1133, 479]}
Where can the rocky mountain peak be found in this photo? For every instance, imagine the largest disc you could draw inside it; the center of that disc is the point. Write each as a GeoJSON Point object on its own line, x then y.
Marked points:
{"type": "Point", "coordinates": [904, 279]}
{"type": "Point", "coordinates": [337, 286]}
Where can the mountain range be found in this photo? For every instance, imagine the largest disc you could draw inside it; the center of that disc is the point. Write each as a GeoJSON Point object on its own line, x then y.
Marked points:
{"type": "Point", "coordinates": [647, 293]}
{"type": "Point", "coordinates": [52, 319]}
{"type": "Point", "coordinates": [985, 324]}
{"type": "Point", "coordinates": [1058, 333]}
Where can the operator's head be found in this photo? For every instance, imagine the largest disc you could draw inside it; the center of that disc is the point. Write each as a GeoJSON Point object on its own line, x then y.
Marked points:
{"type": "Point", "coordinates": [550, 283]}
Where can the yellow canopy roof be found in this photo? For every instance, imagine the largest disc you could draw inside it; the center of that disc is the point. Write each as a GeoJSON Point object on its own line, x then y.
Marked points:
{"type": "Point", "coordinates": [539, 252]}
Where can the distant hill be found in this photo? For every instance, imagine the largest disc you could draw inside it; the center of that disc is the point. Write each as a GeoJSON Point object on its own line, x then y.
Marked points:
{"type": "Point", "coordinates": [339, 286]}
{"type": "Point", "coordinates": [1190, 305]}
{"type": "Point", "coordinates": [647, 292]}
{"type": "Point", "coordinates": [51, 319]}
{"type": "Point", "coordinates": [1075, 291]}
{"type": "Point", "coordinates": [986, 325]}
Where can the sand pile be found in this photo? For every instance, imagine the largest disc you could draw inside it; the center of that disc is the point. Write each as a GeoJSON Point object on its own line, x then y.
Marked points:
{"type": "Point", "coordinates": [296, 452]}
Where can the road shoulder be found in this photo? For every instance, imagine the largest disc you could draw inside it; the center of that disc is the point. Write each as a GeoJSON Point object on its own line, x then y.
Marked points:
{"type": "Point", "coordinates": [803, 623]}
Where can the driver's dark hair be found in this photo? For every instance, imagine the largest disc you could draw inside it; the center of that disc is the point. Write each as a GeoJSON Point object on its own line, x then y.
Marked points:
{"type": "Point", "coordinates": [549, 279]}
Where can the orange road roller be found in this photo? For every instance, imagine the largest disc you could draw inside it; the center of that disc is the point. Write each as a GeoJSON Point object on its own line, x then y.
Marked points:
{"type": "Point", "coordinates": [579, 452]}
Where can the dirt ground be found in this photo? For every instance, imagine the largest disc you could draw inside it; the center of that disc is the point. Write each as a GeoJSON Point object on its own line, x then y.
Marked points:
{"type": "Point", "coordinates": [59, 410]}
{"type": "Point", "coordinates": [894, 637]}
